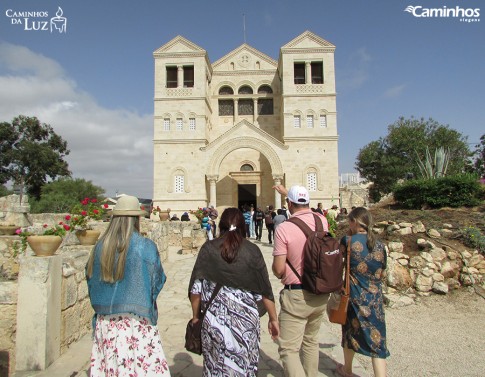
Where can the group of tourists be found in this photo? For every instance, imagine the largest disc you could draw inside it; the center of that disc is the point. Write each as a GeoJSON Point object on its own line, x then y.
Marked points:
{"type": "Point", "coordinates": [230, 281]}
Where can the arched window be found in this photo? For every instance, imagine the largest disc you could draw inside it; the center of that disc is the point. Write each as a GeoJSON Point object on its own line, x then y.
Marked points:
{"type": "Point", "coordinates": [226, 90]}
{"type": "Point", "coordinates": [247, 167]}
{"type": "Point", "coordinates": [246, 89]}
{"type": "Point", "coordinates": [265, 89]}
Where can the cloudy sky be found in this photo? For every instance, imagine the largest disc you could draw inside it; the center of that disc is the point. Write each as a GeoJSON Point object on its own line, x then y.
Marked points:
{"type": "Point", "coordinates": [94, 83]}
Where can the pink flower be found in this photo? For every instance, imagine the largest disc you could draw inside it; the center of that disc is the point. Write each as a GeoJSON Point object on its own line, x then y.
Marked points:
{"type": "Point", "coordinates": [45, 225]}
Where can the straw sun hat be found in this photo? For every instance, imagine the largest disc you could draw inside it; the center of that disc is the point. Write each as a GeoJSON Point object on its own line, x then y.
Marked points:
{"type": "Point", "coordinates": [127, 206]}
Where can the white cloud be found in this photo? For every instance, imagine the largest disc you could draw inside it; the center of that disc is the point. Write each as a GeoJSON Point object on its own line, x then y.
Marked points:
{"type": "Point", "coordinates": [112, 148]}
{"type": "Point", "coordinates": [356, 72]}
{"type": "Point", "coordinates": [395, 91]}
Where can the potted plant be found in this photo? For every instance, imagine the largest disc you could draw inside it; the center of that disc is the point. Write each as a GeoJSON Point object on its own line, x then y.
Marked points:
{"type": "Point", "coordinates": [163, 214]}
{"type": "Point", "coordinates": [87, 210]}
{"type": "Point", "coordinates": [8, 229]}
{"type": "Point", "coordinates": [199, 214]}
{"type": "Point", "coordinates": [44, 242]}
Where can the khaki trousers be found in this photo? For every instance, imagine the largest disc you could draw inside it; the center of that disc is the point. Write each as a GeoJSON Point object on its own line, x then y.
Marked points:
{"type": "Point", "coordinates": [300, 319]}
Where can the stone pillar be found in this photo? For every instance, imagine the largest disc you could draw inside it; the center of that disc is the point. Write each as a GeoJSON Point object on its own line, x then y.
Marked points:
{"type": "Point", "coordinates": [212, 189]}
{"type": "Point", "coordinates": [277, 195]}
{"type": "Point", "coordinates": [38, 340]}
{"type": "Point", "coordinates": [308, 73]}
{"type": "Point", "coordinates": [180, 76]}
{"type": "Point", "coordinates": [236, 111]}
{"type": "Point", "coordinates": [255, 110]}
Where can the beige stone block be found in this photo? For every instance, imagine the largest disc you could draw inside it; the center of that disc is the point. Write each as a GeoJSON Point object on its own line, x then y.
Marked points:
{"type": "Point", "coordinates": [69, 292]}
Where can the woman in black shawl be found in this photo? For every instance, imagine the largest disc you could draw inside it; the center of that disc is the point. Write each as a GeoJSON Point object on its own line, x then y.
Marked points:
{"type": "Point", "coordinates": [231, 328]}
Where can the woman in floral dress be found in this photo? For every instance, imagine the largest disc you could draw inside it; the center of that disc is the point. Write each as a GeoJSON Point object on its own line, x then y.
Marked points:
{"type": "Point", "coordinates": [231, 327]}
{"type": "Point", "coordinates": [365, 329]}
{"type": "Point", "coordinates": [124, 277]}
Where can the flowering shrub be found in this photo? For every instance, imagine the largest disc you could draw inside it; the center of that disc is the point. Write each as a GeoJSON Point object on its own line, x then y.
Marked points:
{"type": "Point", "coordinates": [85, 211]}
{"type": "Point", "coordinates": [200, 213]}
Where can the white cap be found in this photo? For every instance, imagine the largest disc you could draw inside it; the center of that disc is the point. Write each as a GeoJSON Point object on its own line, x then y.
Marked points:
{"type": "Point", "coordinates": [298, 195]}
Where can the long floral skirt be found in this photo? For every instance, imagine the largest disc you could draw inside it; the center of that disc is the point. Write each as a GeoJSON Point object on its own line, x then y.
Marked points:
{"type": "Point", "coordinates": [127, 345]}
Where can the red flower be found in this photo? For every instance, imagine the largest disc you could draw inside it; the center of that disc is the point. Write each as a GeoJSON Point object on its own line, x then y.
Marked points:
{"type": "Point", "coordinates": [61, 223]}
{"type": "Point", "coordinates": [95, 211]}
{"type": "Point", "coordinates": [105, 206]}
{"type": "Point", "coordinates": [68, 217]}
{"type": "Point", "coordinates": [67, 227]}
{"type": "Point", "coordinates": [84, 213]}
{"type": "Point", "coordinates": [94, 200]}
{"type": "Point", "coordinates": [45, 225]}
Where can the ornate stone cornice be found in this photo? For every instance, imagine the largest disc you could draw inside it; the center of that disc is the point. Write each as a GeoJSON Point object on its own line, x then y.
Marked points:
{"type": "Point", "coordinates": [312, 138]}
{"type": "Point", "coordinates": [179, 141]}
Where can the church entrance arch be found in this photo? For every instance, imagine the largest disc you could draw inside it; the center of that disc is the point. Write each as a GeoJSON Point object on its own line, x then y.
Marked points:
{"type": "Point", "coordinates": [244, 170]}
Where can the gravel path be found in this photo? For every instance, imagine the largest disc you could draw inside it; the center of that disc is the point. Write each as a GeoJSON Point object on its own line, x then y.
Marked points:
{"type": "Point", "coordinates": [439, 336]}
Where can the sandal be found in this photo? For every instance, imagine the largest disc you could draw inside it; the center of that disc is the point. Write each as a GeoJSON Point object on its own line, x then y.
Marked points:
{"type": "Point", "coordinates": [341, 371]}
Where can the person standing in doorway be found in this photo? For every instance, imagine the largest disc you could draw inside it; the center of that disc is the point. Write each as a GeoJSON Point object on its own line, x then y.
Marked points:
{"type": "Point", "coordinates": [258, 223]}
{"type": "Point", "coordinates": [268, 221]}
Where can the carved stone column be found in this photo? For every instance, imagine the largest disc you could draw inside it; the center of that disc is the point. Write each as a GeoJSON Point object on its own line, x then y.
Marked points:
{"type": "Point", "coordinates": [180, 76]}
{"type": "Point", "coordinates": [212, 189]}
{"type": "Point", "coordinates": [236, 112]}
{"type": "Point", "coordinates": [308, 73]}
{"type": "Point", "coordinates": [255, 110]}
{"type": "Point", "coordinates": [277, 196]}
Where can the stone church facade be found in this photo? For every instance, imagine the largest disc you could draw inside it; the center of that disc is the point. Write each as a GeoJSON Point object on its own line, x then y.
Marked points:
{"type": "Point", "coordinates": [226, 132]}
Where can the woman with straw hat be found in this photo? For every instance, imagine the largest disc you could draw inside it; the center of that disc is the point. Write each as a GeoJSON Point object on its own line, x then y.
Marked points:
{"type": "Point", "coordinates": [125, 276]}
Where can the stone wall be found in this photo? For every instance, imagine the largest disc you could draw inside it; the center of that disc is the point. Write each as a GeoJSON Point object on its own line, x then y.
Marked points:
{"type": "Point", "coordinates": [8, 326]}
{"type": "Point", "coordinates": [76, 311]}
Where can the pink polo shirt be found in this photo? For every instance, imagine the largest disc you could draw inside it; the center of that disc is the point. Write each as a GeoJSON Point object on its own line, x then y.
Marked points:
{"type": "Point", "coordinates": [289, 240]}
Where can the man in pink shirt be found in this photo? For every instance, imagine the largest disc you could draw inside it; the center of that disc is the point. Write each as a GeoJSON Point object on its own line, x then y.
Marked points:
{"type": "Point", "coordinates": [301, 311]}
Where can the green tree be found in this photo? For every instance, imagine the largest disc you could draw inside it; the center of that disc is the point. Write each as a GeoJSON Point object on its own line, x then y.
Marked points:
{"type": "Point", "coordinates": [61, 195]}
{"type": "Point", "coordinates": [385, 161]}
{"type": "Point", "coordinates": [478, 166]}
{"type": "Point", "coordinates": [5, 191]}
{"type": "Point", "coordinates": [30, 153]}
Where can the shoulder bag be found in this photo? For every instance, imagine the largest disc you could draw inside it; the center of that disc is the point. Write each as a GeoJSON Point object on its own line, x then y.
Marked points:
{"type": "Point", "coordinates": [338, 302]}
{"type": "Point", "coordinates": [193, 337]}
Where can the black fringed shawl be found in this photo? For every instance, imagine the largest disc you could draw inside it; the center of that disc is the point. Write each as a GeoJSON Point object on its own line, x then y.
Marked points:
{"type": "Point", "coordinates": [247, 271]}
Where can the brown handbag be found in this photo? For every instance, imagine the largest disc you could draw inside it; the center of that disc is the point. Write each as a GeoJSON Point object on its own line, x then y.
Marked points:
{"type": "Point", "coordinates": [338, 302]}
{"type": "Point", "coordinates": [193, 332]}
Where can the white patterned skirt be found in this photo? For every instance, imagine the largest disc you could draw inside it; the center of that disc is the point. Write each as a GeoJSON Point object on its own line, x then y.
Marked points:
{"type": "Point", "coordinates": [127, 345]}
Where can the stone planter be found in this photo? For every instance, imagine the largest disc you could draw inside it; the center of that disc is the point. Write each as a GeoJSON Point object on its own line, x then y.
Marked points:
{"type": "Point", "coordinates": [88, 236]}
{"type": "Point", "coordinates": [164, 215]}
{"type": "Point", "coordinates": [44, 246]}
{"type": "Point", "coordinates": [8, 230]}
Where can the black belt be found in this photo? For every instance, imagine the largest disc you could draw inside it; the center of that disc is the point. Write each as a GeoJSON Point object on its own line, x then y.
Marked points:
{"type": "Point", "coordinates": [293, 286]}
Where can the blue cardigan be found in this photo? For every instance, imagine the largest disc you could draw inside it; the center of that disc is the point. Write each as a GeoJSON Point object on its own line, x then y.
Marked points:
{"type": "Point", "coordinates": [138, 290]}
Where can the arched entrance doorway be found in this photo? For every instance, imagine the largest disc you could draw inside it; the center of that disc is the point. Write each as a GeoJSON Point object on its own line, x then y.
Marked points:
{"type": "Point", "coordinates": [244, 161]}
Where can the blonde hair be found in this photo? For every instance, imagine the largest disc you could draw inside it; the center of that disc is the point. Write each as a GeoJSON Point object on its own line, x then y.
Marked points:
{"type": "Point", "coordinates": [115, 242]}
{"type": "Point", "coordinates": [364, 218]}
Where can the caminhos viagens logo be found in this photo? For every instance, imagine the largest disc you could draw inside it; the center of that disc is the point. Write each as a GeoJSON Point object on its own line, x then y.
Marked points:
{"type": "Point", "coordinates": [38, 20]}
{"type": "Point", "coordinates": [462, 14]}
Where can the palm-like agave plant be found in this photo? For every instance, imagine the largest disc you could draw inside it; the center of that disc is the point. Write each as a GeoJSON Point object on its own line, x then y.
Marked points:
{"type": "Point", "coordinates": [437, 167]}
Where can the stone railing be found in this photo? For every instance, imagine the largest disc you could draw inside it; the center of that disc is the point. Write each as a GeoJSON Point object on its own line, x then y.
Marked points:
{"type": "Point", "coordinates": [47, 308]}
